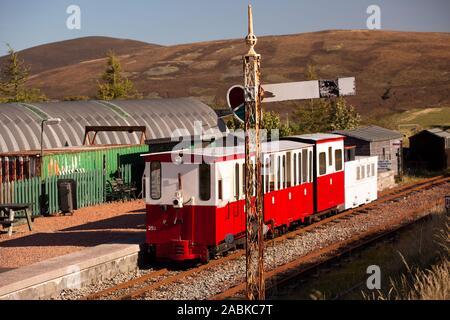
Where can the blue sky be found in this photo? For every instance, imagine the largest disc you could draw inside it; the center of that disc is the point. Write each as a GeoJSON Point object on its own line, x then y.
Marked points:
{"type": "Point", "coordinates": [25, 23]}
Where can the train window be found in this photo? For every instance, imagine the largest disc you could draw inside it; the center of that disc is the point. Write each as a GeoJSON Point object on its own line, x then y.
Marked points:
{"type": "Point", "coordinates": [358, 173]}
{"type": "Point", "coordinates": [373, 169]}
{"type": "Point", "coordinates": [205, 181]}
{"type": "Point", "coordinates": [299, 168]}
{"type": "Point", "coordinates": [272, 174]}
{"type": "Point", "coordinates": [294, 163]}
{"type": "Point", "coordinates": [322, 163]}
{"type": "Point", "coordinates": [284, 172]}
{"type": "Point", "coordinates": [363, 172]}
{"type": "Point", "coordinates": [243, 178]}
{"type": "Point", "coordinates": [155, 180]}
{"type": "Point", "coordinates": [220, 190]}
{"type": "Point", "coordinates": [338, 159]}
{"type": "Point", "coordinates": [330, 156]}
{"type": "Point", "coordinates": [310, 166]}
{"type": "Point", "coordinates": [368, 170]}
{"type": "Point", "coordinates": [267, 175]}
{"type": "Point", "coordinates": [236, 181]}
{"type": "Point", "coordinates": [304, 166]}
{"type": "Point", "coordinates": [278, 173]}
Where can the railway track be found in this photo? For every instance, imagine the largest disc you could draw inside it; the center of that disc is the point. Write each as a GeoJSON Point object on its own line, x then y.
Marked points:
{"type": "Point", "coordinates": [138, 287]}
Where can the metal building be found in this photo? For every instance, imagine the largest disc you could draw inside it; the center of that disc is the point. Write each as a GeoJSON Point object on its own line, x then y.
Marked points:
{"type": "Point", "coordinates": [430, 149]}
{"type": "Point", "coordinates": [20, 123]}
{"type": "Point", "coordinates": [377, 141]}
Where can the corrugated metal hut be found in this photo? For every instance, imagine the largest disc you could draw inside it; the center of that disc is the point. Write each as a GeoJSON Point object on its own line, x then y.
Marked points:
{"type": "Point", "coordinates": [91, 130]}
{"type": "Point", "coordinates": [377, 141]}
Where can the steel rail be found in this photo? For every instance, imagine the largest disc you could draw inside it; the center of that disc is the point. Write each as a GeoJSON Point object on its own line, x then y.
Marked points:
{"type": "Point", "coordinates": [325, 255]}
{"type": "Point", "coordinates": [391, 195]}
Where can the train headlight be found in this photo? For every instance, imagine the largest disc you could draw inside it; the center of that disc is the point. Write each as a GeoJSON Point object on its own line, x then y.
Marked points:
{"type": "Point", "coordinates": [178, 200]}
{"type": "Point", "coordinates": [179, 160]}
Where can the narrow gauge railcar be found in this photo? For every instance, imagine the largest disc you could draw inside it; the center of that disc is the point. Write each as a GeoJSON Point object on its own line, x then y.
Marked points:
{"type": "Point", "coordinates": [195, 209]}
{"type": "Point", "coordinates": [328, 171]}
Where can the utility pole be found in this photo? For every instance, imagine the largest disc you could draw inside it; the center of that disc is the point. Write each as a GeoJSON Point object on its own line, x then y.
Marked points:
{"type": "Point", "coordinates": [253, 177]}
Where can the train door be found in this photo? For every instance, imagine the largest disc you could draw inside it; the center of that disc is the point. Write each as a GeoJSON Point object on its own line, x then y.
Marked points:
{"type": "Point", "coordinates": [237, 205]}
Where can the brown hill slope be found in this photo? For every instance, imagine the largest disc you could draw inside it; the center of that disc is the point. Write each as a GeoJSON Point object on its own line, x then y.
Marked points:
{"type": "Point", "coordinates": [64, 53]}
{"type": "Point", "coordinates": [409, 70]}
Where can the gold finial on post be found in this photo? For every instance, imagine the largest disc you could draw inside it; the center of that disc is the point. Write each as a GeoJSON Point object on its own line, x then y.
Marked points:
{"type": "Point", "coordinates": [251, 39]}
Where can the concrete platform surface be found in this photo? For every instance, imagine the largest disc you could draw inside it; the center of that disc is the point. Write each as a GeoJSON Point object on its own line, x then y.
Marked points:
{"type": "Point", "coordinates": [46, 279]}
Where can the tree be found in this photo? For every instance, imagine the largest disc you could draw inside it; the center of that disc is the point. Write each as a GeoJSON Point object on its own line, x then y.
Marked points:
{"type": "Point", "coordinates": [343, 116]}
{"type": "Point", "coordinates": [114, 85]}
{"type": "Point", "coordinates": [13, 77]}
{"type": "Point", "coordinates": [270, 121]}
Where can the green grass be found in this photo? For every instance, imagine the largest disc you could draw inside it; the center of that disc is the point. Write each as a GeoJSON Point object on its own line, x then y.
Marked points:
{"type": "Point", "coordinates": [414, 120]}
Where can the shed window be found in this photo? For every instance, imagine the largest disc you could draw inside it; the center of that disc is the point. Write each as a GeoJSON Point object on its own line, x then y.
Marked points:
{"type": "Point", "coordinates": [322, 163]}
{"type": "Point", "coordinates": [338, 159]}
{"type": "Point", "coordinates": [155, 180]}
{"type": "Point", "coordinates": [205, 181]}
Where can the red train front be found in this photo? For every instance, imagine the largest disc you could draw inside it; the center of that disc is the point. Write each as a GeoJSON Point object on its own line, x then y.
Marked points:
{"type": "Point", "coordinates": [195, 199]}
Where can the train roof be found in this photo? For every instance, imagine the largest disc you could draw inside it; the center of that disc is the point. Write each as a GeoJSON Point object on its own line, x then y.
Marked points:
{"type": "Point", "coordinates": [230, 153]}
{"type": "Point", "coordinates": [315, 137]}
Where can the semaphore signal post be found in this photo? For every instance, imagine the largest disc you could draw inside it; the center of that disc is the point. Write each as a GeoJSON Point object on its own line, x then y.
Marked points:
{"type": "Point", "coordinates": [253, 177]}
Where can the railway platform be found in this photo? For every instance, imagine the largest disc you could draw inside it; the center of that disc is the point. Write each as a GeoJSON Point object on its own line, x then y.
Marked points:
{"type": "Point", "coordinates": [71, 251]}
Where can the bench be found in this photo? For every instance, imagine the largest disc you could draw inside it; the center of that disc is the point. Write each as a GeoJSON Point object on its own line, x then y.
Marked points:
{"type": "Point", "coordinates": [7, 213]}
{"type": "Point", "coordinates": [118, 190]}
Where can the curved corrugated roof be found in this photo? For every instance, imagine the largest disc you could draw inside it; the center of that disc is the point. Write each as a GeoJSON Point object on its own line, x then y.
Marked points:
{"type": "Point", "coordinates": [20, 122]}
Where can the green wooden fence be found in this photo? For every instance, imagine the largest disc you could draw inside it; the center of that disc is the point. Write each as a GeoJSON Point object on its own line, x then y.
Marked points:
{"type": "Point", "coordinates": [90, 185]}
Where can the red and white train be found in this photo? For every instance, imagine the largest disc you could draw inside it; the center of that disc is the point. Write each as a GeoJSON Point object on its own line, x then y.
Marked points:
{"type": "Point", "coordinates": [195, 209]}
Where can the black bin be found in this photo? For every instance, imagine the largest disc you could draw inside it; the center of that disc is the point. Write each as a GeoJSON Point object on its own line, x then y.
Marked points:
{"type": "Point", "coordinates": [67, 195]}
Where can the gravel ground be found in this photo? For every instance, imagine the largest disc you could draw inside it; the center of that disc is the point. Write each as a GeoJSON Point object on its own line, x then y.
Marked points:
{"type": "Point", "coordinates": [60, 235]}
{"type": "Point", "coordinates": [217, 279]}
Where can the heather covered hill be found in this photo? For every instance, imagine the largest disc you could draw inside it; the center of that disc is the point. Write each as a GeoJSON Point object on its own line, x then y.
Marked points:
{"type": "Point", "coordinates": [395, 71]}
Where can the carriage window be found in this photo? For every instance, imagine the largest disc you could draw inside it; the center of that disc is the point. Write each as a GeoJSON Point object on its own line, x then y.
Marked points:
{"type": "Point", "coordinates": [294, 163]}
{"type": "Point", "coordinates": [279, 173]}
{"type": "Point", "coordinates": [272, 174]}
{"type": "Point", "coordinates": [363, 172]}
{"type": "Point", "coordinates": [267, 175]}
{"type": "Point", "coordinates": [368, 170]}
{"type": "Point", "coordinates": [330, 156]}
{"type": "Point", "coordinates": [300, 168]}
{"type": "Point", "coordinates": [373, 169]}
{"type": "Point", "coordinates": [243, 178]}
{"type": "Point", "coordinates": [358, 173]}
{"type": "Point", "coordinates": [310, 166]}
{"type": "Point", "coordinates": [254, 178]}
{"type": "Point", "coordinates": [205, 181]}
{"type": "Point", "coordinates": [322, 163]}
{"type": "Point", "coordinates": [304, 166]}
{"type": "Point", "coordinates": [338, 159]}
{"type": "Point", "coordinates": [220, 190]}
{"type": "Point", "coordinates": [284, 172]}
{"type": "Point", "coordinates": [155, 180]}
{"type": "Point", "coordinates": [236, 181]}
